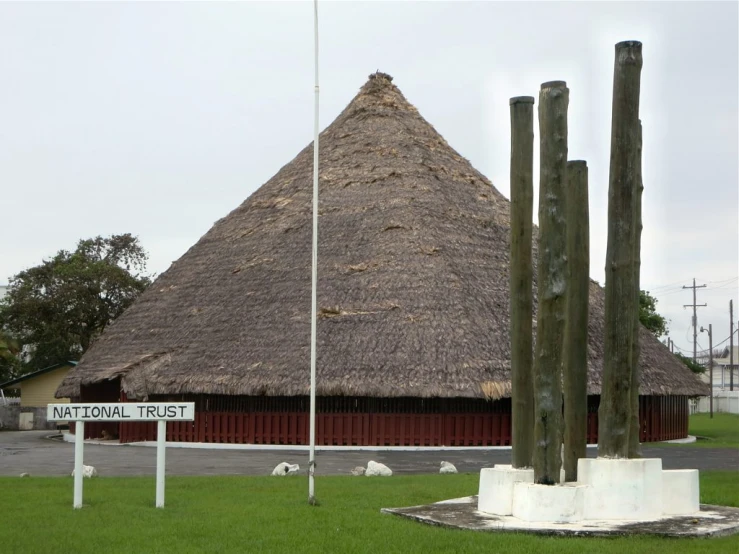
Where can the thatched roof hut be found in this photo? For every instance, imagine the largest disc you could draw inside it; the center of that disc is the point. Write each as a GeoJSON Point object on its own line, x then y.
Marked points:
{"type": "Point", "coordinates": [413, 282]}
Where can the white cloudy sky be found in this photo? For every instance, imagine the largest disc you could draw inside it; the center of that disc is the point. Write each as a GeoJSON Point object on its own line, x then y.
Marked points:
{"type": "Point", "coordinates": [159, 118]}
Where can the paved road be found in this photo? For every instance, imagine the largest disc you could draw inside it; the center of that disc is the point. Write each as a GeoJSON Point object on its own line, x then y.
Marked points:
{"type": "Point", "coordinates": [32, 452]}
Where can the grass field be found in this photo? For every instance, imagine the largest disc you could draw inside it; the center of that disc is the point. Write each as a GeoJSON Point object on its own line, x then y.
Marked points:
{"type": "Point", "coordinates": [721, 431]}
{"type": "Point", "coordinates": [270, 514]}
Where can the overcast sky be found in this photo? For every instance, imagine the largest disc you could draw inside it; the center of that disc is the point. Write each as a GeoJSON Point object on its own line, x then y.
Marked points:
{"type": "Point", "coordinates": [159, 118]}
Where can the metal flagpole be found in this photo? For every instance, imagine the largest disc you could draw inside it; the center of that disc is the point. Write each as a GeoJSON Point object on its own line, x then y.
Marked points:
{"type": "Point", "coordinates": [314, 279]}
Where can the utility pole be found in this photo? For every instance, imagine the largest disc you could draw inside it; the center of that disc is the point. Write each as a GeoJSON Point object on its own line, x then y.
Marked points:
{"type": "Point", "coordinates": [731, 345]}
{"type": "Point", "coordinates": [695, 316]}
{"type": "Point", "coordinates": [710, 364]}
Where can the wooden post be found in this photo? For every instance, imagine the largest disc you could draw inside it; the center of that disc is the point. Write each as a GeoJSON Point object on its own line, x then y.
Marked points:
{"type": "Point", "coordinates": [710, 365]}
{"type": "Point", "coordinates": [614, 414]}
{"type": "Point", "coordinates": [522, 205]}
{"type": "Point", "coordinates": [575, 366]}
{"type": "Point", "coordinates": [551, 282]}
{"type": "Point", "coordinates": [731, 345]}
{"type": "Point", "coordinates": [634, 427]}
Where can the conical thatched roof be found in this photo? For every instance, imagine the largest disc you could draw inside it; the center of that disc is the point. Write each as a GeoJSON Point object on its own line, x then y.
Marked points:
{"type": "Point", "coordinates": [413, 281]}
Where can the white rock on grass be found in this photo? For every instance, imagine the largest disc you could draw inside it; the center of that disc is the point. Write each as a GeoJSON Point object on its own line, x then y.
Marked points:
{"type": "Point", "coordinates": [283, 468]}
{"type": "Point", "coordinates": [359, 470]}
{"type": "Point", "coordinates": [25, 475]}
{"type": "Point", "coordinates": [87, 471]}
{"type": "Point", "coordinates": [377, 469]}
{"type": "Point", "coordinates": [447, 467]}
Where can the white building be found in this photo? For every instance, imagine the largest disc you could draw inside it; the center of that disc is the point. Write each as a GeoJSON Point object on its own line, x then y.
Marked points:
{"type": "Point", "coordinates": [722, 370]}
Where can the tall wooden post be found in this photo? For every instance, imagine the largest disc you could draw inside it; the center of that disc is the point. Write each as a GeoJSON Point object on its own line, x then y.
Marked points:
{"type": "Point", "coordinates": [634, 426]}
{"type": "Point", "coordinates": [522, 205]}
{"type": "Point", "coordinates": [575, 365]}
{"type": "Point", "coordinates": [614, 414]}
{"type": "Point", "coordinates": [551, 282]}
{"type": "Point", "coordinates": [731, 345]}
{"type": "Point", "coordinates": [710, 365]}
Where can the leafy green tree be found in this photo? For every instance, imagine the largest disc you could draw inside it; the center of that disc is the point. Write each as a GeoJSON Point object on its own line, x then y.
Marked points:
{"type": "Point", "coordinates": [648, 315]}
{"type": "Point", "coordinates": [10, 363]}
{"type": "Point", "coordinates": [58, 308]}
{"type": "Point", "coordinates": [695, 367]}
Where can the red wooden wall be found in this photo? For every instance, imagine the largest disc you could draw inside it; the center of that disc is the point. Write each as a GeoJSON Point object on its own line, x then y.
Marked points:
{"type": "Point", "coordinates": [333, 429]}
{"type": "Point", "coordinates": [661, 417]}
{"type": "Point", "coordinates": [364, 421]}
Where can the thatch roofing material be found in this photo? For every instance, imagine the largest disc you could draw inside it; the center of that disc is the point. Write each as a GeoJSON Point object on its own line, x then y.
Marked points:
{"type": "Point", "coordinates": [412, 292]}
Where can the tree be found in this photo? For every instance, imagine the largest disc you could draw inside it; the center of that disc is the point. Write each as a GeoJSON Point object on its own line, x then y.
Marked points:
{"type": "Point", "coordinates": [648, 315]}
{"type": "Point", "coordinates": [10, 363]}
{"type": "Point", "coordinates": [58, 308]}
{"type": "Point", "coordinates": [695, 367]}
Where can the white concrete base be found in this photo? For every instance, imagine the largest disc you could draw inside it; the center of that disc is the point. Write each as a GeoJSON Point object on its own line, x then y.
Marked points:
{"type": "Point", "coordinates": [635, 490]}
{"type": "Point", "coordinates": [462, 513]}
{"type": "Point", "coordinates": [680, 492]}
{"type": "Point", "coordinates": [496, 488]}
{"type": "Point", "coordinates": [556, 504]}
{"type": "Point", "coordinates": [621, 489]}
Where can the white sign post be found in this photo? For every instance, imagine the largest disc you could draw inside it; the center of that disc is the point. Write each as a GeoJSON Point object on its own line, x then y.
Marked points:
{"type": "Point", "coordinates": [161, 412]}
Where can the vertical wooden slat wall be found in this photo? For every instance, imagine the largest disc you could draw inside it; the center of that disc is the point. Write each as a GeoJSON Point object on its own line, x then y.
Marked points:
{"type": "Point", "coordinates": [661, 417]}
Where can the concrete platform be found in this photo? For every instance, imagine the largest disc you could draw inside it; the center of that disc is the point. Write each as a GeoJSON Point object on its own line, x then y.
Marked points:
{"type": "Point", "coordinates": [462, 513]}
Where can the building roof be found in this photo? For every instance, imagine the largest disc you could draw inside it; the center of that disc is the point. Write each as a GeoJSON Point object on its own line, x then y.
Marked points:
{"type": "Point", "coordinates": [413, 290]}
{"type": "Point", "coordinates": [12, 382]}
{"type": "Point", "coordinates": [725, 359]}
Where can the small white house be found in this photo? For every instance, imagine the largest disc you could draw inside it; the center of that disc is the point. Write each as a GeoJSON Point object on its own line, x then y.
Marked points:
{"type": "Point", "coordinates": [722, 370]}
{"type": "Point", "coordinates": [724, 398]}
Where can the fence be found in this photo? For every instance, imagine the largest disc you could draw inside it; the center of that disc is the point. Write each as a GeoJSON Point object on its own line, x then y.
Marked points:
{"type": "Point", "coordinates": [15, 418]}
{"type": "Point", "coordinates": [724, 401]}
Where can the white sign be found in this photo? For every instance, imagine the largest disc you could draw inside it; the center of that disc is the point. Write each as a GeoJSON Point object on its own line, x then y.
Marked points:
{"type": "Point", "coordinates": [123, 411]}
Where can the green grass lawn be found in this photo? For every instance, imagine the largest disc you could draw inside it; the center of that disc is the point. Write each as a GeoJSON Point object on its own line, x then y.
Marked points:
{"type": "Point", "coordinates": [271, 514]}
{"type": "Point", "coordinates": [721, 431]}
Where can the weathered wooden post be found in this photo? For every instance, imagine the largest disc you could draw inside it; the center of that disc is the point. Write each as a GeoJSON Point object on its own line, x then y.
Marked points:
{"type": "Point", "coordinates": [575, 365]}
{"type": "Point", "coordinates": [551, 282]}
{"type": "Point", "coordinates": [634, 426]}
{"type": "Point", "coordinates": [522, 205]}
{"type": "Point", "coordinates": [614, 415]}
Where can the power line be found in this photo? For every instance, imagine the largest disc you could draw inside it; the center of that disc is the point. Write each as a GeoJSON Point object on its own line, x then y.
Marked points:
{"type": "Point", "coordinates": [667, 286]}
{"type": "Point", "coordinates": [725, 286]}
{"type": "Point", "coordinates": [705, 352]}
{"type": "Point", "coordinates": [669, 292]}
{"type": "Point", "coordinates": [721, 281]}
{"type": "Point", "coordinates": [668, 289]}
{"type": "Point", "coordinates": [676, 283]}
{"type": "Point", "coordinates": [727, 338]}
